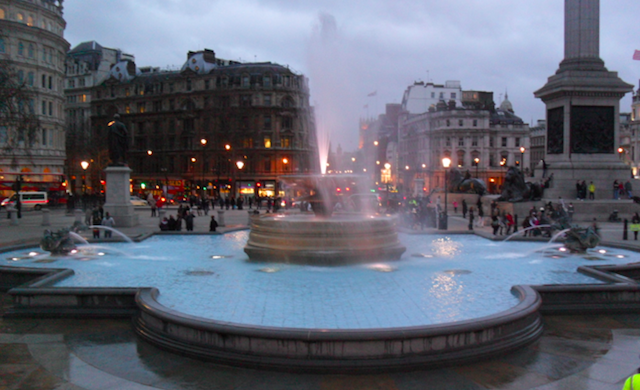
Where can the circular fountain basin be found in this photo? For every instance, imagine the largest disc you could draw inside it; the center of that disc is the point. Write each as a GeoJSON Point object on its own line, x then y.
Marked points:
{"type": "Point", "coordinates": [336, 240]}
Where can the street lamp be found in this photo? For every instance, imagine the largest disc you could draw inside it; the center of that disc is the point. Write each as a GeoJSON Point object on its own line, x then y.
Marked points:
{"type": "Point", "coordinates": [203, 142]}
{"type": "Point", "coordinates": [477, 161]}
{"type": "Point", "coordinates": [522, 149]}
{"type": "Point", "coordinates": [444, 221]}
{"type": "Point", "coordinates": [84, 165]}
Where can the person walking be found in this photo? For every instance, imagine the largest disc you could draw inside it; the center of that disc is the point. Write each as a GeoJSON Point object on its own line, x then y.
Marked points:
{"type": "Point", "coordinates": [616, 189]}
{"type": "Point", "coordinates": [465, 208]}
{"type": "Point", "coordinates": [189, 221]}
{"type": "Point", "coordinates": [455, 207]}
{"type": "Point", "coordinates": [108, 222]}
{"type": "Point", "coordinates": [628, 189]}
{"type": "Point", "coordinates": [213, 224]}
{"type": "Point", "coordinates": [471, 218]}
{"type": "Point", "coordinates": [592, 191]}
{"type": "Point", "coordinates": [635, 225]}
{"type": "Point", "coordinates": [152, 202]}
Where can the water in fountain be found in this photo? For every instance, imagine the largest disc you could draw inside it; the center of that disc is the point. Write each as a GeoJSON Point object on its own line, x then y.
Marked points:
{"type": "Point", "coordinates": [525, 230]}
{"type": "Point", "coordinates": [324, 237]}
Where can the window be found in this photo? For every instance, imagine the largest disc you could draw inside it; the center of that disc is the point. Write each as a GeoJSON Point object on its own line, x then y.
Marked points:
{"type": "Point", "coordinates": [172, 104]}
{"type": "Point", "coordinates": [267, 165]}
{"type": "Point", "coordinates": [474, 141]}
{"type": "Point", "coordinates": [50, 108]}
{"type": "Point", "coordinates": [461, 141]}
{"type": "Point", "coordinates": [20, 49]}
{"type": "Point", "coordinates": [31, 79]}
{"type": "Point", "coordinates": [475, 123]}
{"type": "Point", "coordinates": [32, 51]}
{"type": "Point", "coordinates": [267, 142]}
{"type": "Point", "coordinates": [441, 95]}
{"type": "Point", "coordinates": [460, 122]}
{"type": "Point", "coordinates": [245, 100]}
{"type": "Point", "coordinates": [20, 17]}
{"type": "Point", "coordinates": [266, 122]}
{"type": "Point", "coordinates": [433, 95]}
{"type": "Point", "coordinates": [2, 49]}
{"type": "Point", "coordinates": [266, 81]}
{"type": "Point", "coordinates": [30, 20]}
{"type": "Point", "coordinates": [517, 142]}
{"type": "Point", "coordinates": [287, 123]}
{"type": "Point", "coordinates": [44, 107]}
{"type": "Point", "coordinates": [141, 108]}
{"type": "Point", "coordinates": [285, 141]}
{"type": "Point", "coordinates": [206, 84]}
{"type": "Point", "coordinates": [50, 82]}
{"type": "Point", "coordinates": [20, 76]}
{"type": "Point", "coordinates": [126, 92]}
{"type": "Point", "coordinates": [267, 99]}
{"type": "Point", "coordinates": [2, 16]}
{"type": "Point", "coordinates": [72, 83]}
{"type": "Point", "coordinates": [157, 105]}
{"type": "Point", "coordinates": [188, 84]}
{"type": "Point", "coordinates": [245, 80]}
{"type": "Point", "coordinates": [453, 95]}
{"type": "Point", "coordinates": [44, 137]}
{"type": "Point", "coordinates": [448, 141]}
{"type": "Point", "coordinates": [491, 142]}
{"type": "Point", "coordinates": [448, 123]}
{"type": "Point", "coordinates": [127, 109]}
{"type": "Point", "coordinates": [504, 141]}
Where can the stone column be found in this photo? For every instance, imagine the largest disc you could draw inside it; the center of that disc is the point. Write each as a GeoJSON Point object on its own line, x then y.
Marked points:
{"type": "Point", "coordinates": [582, 29]}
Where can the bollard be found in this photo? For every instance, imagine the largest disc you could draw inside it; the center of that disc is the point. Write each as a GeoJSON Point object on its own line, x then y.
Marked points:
{"type": "Point", "coordinates": [625, 233]}
{"type": "Point", "coordinates": [515, 223]}
{"type": "Point", "coordinates": [45, 217]}
{"type": "Point", "coordinates": [221, 222]}
{"type": "Point", "coordinates": [13, 215]}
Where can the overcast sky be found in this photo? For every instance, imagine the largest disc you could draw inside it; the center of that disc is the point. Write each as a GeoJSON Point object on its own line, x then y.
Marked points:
{"type": "Point", "coordinates": [350, 49]}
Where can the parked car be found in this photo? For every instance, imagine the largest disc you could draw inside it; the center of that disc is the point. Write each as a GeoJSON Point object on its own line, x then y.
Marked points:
{"type": "Point", "coordinates": [138, 202]}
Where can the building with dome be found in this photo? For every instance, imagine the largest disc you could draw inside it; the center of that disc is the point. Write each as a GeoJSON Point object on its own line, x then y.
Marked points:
{"type": "Point", "coordinates": [478, 137]}
{"type": "Point", "coordinates": [33, 46]}
{"type": "Point", "coordinates": [215, 127]}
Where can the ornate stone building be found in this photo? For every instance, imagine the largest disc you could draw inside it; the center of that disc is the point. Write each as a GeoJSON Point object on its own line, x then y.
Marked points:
{"type": "Point", "coordinates": [88, 64]}
{"type": "Point", "coordinates": [478, 138]}
{"type": "Point", "coordinates": [32, 43]}
{"type": "Point", "coordinates": [216, 126]}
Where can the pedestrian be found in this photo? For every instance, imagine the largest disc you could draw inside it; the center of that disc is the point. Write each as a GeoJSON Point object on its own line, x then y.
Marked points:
{"type": "Point", "coordinates": [592, 191]}
{"type": "Point", "coordinates": [471, 218]}
{"type": "Point", "coordinates": [495, 224]}
{"type": "Point", "coordinates": [164, 225]}
{"type": "Point", "coordinates": [616, 189]}
{"type": "Point", "coordinates": [189, 221]}
{"type": "Point", "coordinates": [455, 207]}
{"type": "Point", "coordinates": [109, 223]}
{"type": "Point", "coordinates": [96, 220]}
{"type": "Point", "coordinates": [172, 223]}
{"type": "Point", "coordinates": [464, 208]}
{"type": "Point", "coordinates": [544, 168]}
{"type": "Point", "coordinates": [578, 190]}
{"type": "Point", "coordinates": [628, 189]}
{"type": "Point", "coordinates": [635, 225]}
{"type": "Point", "coordinates": [152, 202]}
{"type": "Point", "coordinates": [480, 215]}
{"type": "Point", "coordinates": [633, 382]}
{"type": "Point", "coordinates": [213, 224]}
{"type": "Point", "coordinates": [570, 211]}
{"type": "Point", "coordinates": [510, 223]}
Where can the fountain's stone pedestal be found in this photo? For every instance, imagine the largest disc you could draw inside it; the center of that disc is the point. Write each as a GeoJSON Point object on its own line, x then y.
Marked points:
{"type": "Point", "coordinates": [118, 201]}
{"type": "Point", "coordinates": [337, 240]}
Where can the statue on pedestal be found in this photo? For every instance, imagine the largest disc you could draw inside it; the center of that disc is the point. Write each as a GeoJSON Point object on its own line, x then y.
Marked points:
{"type": "Point", "coordinates": [118, 142]}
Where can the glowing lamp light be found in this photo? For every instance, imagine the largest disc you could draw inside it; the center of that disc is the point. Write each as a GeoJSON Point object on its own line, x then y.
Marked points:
{"type": "Point", "coordinates": [240, 164]}
{"type": "Point", "coordinates": [446, 162]}
{"type": "Point", "coordinates": [387, 166]}
{"type": "Point", "coordinates": [149, 152]}
{"type": "Point", "coordinates": [203, 142]}
{"type": "Point", "coordinates": [84, 165]}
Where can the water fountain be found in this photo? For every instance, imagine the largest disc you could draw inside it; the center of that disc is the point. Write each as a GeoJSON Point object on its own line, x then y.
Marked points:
{"type": "Point", "coordinates": [323, 237]}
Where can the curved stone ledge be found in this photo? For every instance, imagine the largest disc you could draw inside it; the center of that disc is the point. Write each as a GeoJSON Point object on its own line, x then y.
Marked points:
{"type": "Point", "coordinates": [329, 350]}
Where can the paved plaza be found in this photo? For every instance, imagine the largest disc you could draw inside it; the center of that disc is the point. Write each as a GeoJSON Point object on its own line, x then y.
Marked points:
{"type": "Point", "coordinates": [575, 352]}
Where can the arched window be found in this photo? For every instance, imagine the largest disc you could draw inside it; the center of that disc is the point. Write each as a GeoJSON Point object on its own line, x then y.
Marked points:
{"type": "Point", "coordinates": [20, 49]}
{"type": "Point", "coordinates": [29, 20]}
{"type": "Point", "coordinates": [20, 17]}
{"type": "Point", "coordinates": [288, 102]}
{"type": "Point", "coordinates": [2, 14]}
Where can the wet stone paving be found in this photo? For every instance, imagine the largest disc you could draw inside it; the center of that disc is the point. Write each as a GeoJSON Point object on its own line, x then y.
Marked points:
{"type": "Point", "coordinates": [575, 352]}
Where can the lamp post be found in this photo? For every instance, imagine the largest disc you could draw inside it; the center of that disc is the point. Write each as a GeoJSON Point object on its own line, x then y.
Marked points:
{"type": "Point", "coordinates": [477, 161]}
{"type": "Point", "coordinates": [444, 219]}
{"type": "Point", "coordinates": [203, 142]}
{"type": "Point", "coordinates": [84, 165]}
{"type": "Point", "coordinates": [522, 149]}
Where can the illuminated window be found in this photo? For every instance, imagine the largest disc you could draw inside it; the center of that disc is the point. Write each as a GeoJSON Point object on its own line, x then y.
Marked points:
{"type": "Point", "coordinates": [84, 98]}
{"type": "Point", "coordinates": [2, 14]}
{"type": "Point", "coordinates": [30, 20]}
{"type": "Point", "coordinates": [267, 142]}
{"type": "Point", "coordinates": [285, 142]}
{"type": "Point", "coordinates": [20, 17]}
{"type": "Point", "coordinates": [127, 109]}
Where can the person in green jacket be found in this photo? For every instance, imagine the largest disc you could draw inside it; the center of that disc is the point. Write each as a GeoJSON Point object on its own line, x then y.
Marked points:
{"type": "Point", "coordinates": [633, 382]}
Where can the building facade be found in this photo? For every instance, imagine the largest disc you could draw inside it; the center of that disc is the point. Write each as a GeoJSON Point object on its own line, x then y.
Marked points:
{"type": "Point", "coordinates": [479, 139]}
{"type": "Point", "coordinates": [33, 46]}
{"type": "Point", "coordinates": [216, 126]}
{"type": "Point", "coordinates": [87, 65]}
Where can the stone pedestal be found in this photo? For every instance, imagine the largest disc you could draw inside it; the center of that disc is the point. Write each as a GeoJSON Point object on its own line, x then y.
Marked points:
{"type": "Point", "coordinates": [583, 107]}
{"type": "Point", "coordinates": [221, 221]}
{"type": "Point", "coordinates": [118, 201]}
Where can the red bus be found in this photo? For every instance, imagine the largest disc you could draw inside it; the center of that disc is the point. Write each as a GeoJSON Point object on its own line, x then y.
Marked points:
{"type": "Point", "coordinates": [54, 184]}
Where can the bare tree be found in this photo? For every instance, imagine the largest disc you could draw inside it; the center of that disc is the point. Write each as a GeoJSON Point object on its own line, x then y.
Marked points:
{"type": "Point", "coordinates": [18, 119]}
